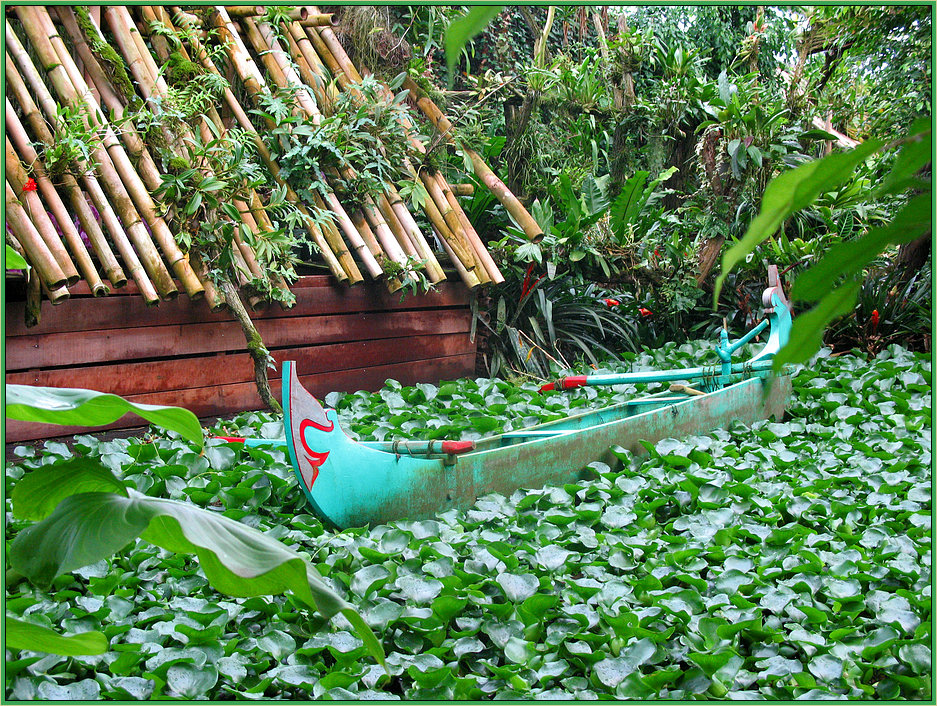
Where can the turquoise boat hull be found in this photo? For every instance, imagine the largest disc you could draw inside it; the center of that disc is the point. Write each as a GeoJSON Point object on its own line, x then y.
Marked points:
{"type": "Point", "coordinates": [349, 484]}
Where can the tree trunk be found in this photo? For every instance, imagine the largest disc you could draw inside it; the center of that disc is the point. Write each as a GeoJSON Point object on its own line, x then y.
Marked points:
{"type": "Point", "coordinates": [255, 345]}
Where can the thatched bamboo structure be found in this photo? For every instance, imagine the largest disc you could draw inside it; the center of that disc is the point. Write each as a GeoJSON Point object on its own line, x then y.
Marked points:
{"type": "Point", "coordinates": [51, 201]}
{"type": "Point", "coordinates": [110, 173]}
{"type": "Point", "coordinates": [110, 192]}
{"type": "Point", "coordinates": [341, 263]}
{"type": "Point", "coordinates": [332, 56]}
{"type": "Point", "coordinates": [482, 170]}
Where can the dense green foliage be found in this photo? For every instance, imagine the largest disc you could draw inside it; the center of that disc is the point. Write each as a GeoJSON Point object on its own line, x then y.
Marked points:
{"type": "Point", "coordinates": [782, 560]}
{"type": "Point", "coordinates": [708, 104]}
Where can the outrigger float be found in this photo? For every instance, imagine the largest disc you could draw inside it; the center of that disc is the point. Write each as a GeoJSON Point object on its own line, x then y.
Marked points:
{"type": "Point", "coordinates": [352, 483]}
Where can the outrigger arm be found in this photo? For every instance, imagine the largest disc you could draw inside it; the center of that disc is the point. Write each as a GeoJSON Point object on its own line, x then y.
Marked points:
{"type": "Point", "coordinates": [777, 309]}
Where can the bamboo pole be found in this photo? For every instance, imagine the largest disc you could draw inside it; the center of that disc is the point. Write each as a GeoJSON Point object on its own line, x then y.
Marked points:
{"type": "Point", "coordinates": [331, 53]}
{"type": "Point", "coordinates": [100, 201]}
{"type": "Point", "coordinates": [322, 19]}
{"type": "Point", "coordinates": [324, 89]}
{"type": "Point", "coordinates": [33, 243]}
{"type": "Point", "coordinates": [75, 195]}
{"type": "Point", "coordinates": [33, 310]}
{"type": "Point", "coordinates": [253, 82]}
{"type": "Point", "coordinates": [245, 10]}
{"type": "Point", "coordinates": [63, 219]}
{"type": "Point", "coordinates": [482, 170]}
{"type": "Point", "coordinates": [279, 69]}
{"type": "Point", "coordinates": [18, 178]}
{"type": "Point", "coordinates": [463, 189]}
{"type": "Point", "coordinates": [481, 251]}
{"type": "Point", "coordinates": [61, 71]}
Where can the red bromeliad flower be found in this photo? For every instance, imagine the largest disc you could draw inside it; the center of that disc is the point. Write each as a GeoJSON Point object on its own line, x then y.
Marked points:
{"type": "Point", "coordinates": [30, 185]}
{"type": "Point", "coordinates": [645, 312]}
{"type": "Point", "coordinates": [612, 302]}
{"type": "Point", "coordinates": [874, 319]}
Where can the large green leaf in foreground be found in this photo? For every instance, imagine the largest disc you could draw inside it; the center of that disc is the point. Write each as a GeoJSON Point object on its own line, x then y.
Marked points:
{"type": "Point", "coordinates": [20, 635]}
{"type": "Point", "coordinates": [89, 526]}
{"type": "Point", "coordinates": [68, 406]}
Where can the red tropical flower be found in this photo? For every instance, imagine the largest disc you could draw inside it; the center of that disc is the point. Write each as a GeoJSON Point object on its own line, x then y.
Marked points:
{"type": "Point", "coordinates": [645, 312]}
{"type": "Point", "coordinates": [30, 185]}
{"type": "Point", "coordinates": [874, 319]}
{"type": "Point", "coordinates": [612, 302]}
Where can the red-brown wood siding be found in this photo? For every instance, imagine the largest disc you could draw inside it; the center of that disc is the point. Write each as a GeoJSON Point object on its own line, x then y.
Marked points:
{"type": "Point", "coordinates": [181, 353]}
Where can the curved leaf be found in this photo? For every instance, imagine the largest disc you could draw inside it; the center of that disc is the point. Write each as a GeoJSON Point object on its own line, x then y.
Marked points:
{"type": "Point", "coordinates": [790, 192]}
{"type": "Point", "coordinates": [236, 559]}
{"type": "Point", "coordinates": [72, 406]}
{"type": "Point", "coordinates": [20, 635]}
{"type": "Point", "coordinates": [462, 30]}
{"type": "Point", "coordinates": [807, 331]}
{"type": "Point", "coordinates": [37, 494]}
{"type": "Point", "coordinates": [15, 261]}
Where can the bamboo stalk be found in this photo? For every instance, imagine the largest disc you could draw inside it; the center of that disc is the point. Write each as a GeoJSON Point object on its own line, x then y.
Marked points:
{"type": "Point", "coordinates": [423, 246]}
{"type": "Point", "coordinates": [17, 173]}
{"type": "Point", "coordinates": [33, 243]}
{"type": "Point", "coordinates": [482, 170]}
{"type": "Point", "coordinates": [462, 189]}
{"type": "Point", "coordinates": [76, 197]}
{"type": "Point", "coordinates": [254, 83]}
{"type": "Point", "coordinates": [338, 52]}
{"type": "Point", "coordinates": [456, 262]}
{"type": "Point", "coordinates": [56, 63]}
{"type": "Point", "coordinates": [245, 10]}
{"type": "Point", "coordinates": [18, 178]}
{"type": "Point", "coordinates": [133, 189]}
{"type": "Point", "coordinates": [101, 203]}
{"type": "Point", "coordinates": [33, 310]}
{"type": "Point", "coordinates": [325, 91]}
{"type": "Point", "coordinates": [481, 251]}
{"type": "Point", "coordinates": [324, 19]}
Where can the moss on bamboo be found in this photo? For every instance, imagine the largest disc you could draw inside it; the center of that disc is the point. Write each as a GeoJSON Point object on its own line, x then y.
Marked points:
{"type": "Point", "coordinates": [108, 56]}
{"type": "Point", "coordinates": [179, 70]}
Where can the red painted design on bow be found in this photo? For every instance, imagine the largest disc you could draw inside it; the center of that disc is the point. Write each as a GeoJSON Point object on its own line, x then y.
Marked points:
{"type": "Point", "coordinates": [315, 458]}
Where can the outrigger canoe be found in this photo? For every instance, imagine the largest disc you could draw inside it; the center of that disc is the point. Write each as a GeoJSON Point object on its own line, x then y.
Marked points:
{"type": "Point", "coordinates": [352, 483]}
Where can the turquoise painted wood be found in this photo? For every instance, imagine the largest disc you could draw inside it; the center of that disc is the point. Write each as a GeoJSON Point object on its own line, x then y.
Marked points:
{"type": "Point", "coordinates": [350, 484]}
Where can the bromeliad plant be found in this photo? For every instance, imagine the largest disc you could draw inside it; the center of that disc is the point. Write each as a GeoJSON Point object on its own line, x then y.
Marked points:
{"type": "Point", "coordinates": [84, 513]}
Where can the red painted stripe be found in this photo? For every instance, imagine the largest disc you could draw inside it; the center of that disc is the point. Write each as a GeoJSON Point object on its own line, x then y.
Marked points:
{"type": "Point", "coordinates": [574, 381]}
{"type": "Point", "coordinates": [457, 447]}
{"type": "Point", "coordinates": [232, 439]}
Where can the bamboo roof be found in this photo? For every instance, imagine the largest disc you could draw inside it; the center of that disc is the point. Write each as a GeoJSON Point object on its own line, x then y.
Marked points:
{"type": "Point", "coordinates": [105, 219]}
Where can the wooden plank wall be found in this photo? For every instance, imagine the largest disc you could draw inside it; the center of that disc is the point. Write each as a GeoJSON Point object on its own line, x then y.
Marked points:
{"type": "Point", "coordinates": [181, 353]}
